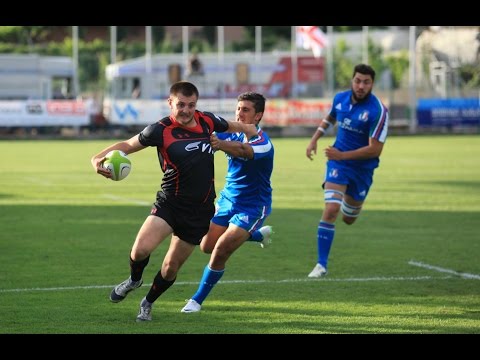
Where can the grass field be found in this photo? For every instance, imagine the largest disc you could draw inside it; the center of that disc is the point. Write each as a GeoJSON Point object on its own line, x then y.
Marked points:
{"type": "Point", "coordinates": [411, 263]}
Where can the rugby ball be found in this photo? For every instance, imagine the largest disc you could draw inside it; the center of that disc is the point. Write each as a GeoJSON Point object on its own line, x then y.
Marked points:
{"type": "Point", "coordinates": [118, 163]}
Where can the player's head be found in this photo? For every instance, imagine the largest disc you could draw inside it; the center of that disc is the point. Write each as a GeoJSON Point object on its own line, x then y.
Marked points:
{"type": "Point", "coordinates": [362, 81]}
{"type": "Point", "coordinates": [250, 107]}
{"type": "Point", "coordinates": [183, 101]}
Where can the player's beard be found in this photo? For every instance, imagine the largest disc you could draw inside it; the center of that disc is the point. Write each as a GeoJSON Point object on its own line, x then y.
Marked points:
{"type": "Point", "coordinates": [187, 120]}
{"type": "Point", "coordinates": [360, 99]}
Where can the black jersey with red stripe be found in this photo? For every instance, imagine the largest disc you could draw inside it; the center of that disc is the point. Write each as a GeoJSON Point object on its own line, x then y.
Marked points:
{"type": "Point", "coordinates": [186, 156]}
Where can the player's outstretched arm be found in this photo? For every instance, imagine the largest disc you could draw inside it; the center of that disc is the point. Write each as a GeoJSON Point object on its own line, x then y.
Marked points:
{"type": "Point", "coordinates": [248, 129]}
{"type": "Point", "coordinates": [232, 148]}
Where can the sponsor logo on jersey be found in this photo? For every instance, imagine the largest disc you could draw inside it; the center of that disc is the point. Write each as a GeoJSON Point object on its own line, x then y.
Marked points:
{"type": "Point", "coordinates": [205, 147]}
{"type": "Point", "coordinates": [333, 173]}
{"type": "Point", "coordinates": [363, 116]}
{"type": "Point", "coordinates": [193, 146]}
{"type": "Point", "coordinates": [244, 219]}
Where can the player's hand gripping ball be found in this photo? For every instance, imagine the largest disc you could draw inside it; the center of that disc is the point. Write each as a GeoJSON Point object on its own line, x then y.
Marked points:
{"type": "Point", "coordinates": [118, 163]}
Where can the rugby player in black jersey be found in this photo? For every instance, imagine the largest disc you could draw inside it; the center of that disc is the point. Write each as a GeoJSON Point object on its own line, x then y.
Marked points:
{"type": "Point", "coordinates": [185, 203]}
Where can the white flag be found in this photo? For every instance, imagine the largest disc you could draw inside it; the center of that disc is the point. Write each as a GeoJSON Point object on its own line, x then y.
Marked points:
{"type": "Point", "coordinates": [311, 37]}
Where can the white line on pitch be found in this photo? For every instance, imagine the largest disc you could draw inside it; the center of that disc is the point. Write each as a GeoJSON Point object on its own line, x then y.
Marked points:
{"type": "Point", "coordinates": [401, 278]}
{"type": "Point", "coordinates": [440, 269]}
{"type": "Point", "coordinates": [127, 200]}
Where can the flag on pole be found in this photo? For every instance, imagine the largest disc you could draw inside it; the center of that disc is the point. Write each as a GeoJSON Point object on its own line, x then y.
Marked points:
{"type": "Point", "coordinates": [311, 37]}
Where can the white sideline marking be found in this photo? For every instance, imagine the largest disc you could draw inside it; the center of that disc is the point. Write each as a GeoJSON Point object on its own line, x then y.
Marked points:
{"type": "Point", "coordinates": [440, 269]}
{"type": "Point", "coordinates": [401, 278]}
{"type": "Point", "coordinates": [127, 200]}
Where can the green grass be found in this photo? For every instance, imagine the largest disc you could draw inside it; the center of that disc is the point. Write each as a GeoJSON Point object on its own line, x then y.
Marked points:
{"type": "Point", "coordinates": [410, 264]}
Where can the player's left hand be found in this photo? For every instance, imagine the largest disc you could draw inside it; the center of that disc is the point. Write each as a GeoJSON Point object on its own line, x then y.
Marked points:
{"type": "Point", "coordinates": [333, 153]}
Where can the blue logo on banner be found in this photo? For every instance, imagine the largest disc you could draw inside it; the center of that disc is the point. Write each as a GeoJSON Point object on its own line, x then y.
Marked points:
{"type": "Point", "coordinates": [129, 109]}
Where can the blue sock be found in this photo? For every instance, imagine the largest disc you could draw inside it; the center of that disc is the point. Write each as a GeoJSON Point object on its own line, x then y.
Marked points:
{"type": "Point", "coordinates": [255, 236]}
{"type": "Point", "coordinates": [325, 234]}
{"type": "Point", "coordinates": [209, 279]}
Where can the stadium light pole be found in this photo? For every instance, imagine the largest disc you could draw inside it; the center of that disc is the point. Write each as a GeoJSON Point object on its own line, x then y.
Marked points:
{"type": "Point", "coordinates": [258, 51]}
{"type": "Point", "coordinates": [185, 49]}
{"type": "Point", "coordinates": [221, 61]}
{"type": "Point", "coordinates": [365, 44]}
{"type": "Point", "coordinates": [113, 44]}
{"type": "Point", "coordinates": [148, 59]}
{"type": "Point", "coordinates": [293, 56]}
{"type": "Point", "coordinates": [412, 79]}
{"type": "Point", "coordinates": [76, 86]}
{"type": "Point", "coordinates": [330, 69]}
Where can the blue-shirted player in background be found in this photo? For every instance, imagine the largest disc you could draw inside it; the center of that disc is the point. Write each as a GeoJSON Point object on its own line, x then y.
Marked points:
{"type": "Point", "coordinates": [362, 122]}
{"type": "Point", "coordinates": [245, 201]}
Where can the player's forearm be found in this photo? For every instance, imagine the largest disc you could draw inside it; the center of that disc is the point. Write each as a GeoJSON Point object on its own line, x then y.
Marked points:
{"type": "Point", "coordinates": [127, 146]}
{"type": "Point", "coordinates": [363, 153]}
{"type": "Point", "coordinates": [236, 149]}
{"type": "Point", "coordinates": [321, 130]}
{"type": "Point", "coordinates": [248, 129]}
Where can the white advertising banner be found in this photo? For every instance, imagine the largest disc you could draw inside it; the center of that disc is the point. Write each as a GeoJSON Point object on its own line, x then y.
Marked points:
{"type": "Point", "coordinates": [44, 113]}
{"type": "Point", "coordinates": [306, 112]}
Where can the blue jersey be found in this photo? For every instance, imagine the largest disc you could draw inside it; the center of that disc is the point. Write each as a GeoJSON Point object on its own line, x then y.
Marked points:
{"type": "Point", "coordinates": [357, 123]}
{"type": "Point", "coordinates": [248, 180]}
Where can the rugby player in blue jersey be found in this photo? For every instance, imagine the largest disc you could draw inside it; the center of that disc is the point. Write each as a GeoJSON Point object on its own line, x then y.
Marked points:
{"type": "Point", "coordinates": [362, 125]}
{"type": "Point", "coordinates": [186, 201]}
{"type": "Point", "coordinates": [246, 199]}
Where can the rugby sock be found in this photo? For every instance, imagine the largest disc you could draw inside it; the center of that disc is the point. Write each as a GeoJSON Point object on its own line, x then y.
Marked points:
{"type": "Point", "coordinates": [159, 286]}
{"type": "Point", "coordinates": [325, 234]}
{"type": "Point", "coordinates": [255, 236]}
{"type": "Point", "coordinates": [137, 267]}
{"type": "Point", "coordinates": [209, 279]}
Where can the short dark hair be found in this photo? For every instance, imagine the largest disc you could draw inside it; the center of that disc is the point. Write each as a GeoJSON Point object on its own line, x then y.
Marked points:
{"type": "Point", "coordinates": [257, 99]}
{"type": "Point", "coordinates": [365, 70]}
{"type": "Point", "coordinates": [185, 88]}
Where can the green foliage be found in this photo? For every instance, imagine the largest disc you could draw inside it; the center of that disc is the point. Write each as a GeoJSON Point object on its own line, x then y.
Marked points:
{"type": "Point", "coordinates": [397, 64]}
{"type": "Point", "coordinates": [273, 38]}
{"type": "Point", "coordinates": [10, 34]}
{"type": "Point", "coordinates": [470, 74]}
{"type": "Point", "coordinates": [166, 46]}
{"type": "Point", "coordinates": [343, 66]}
{"type": "Point", "coordinates": [210, 34]}
{"type": "Point", "coordinates": [375, 57]}
{"type": "Point", "coordinates": [93, 56]}
{"type": "Point", "coordinates": [26, 35]}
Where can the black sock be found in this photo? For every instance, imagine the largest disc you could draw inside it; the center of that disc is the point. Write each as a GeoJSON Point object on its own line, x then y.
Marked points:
{"type": "Point", "coordinates": [159, 286]}
{"type": "Point", "coordinates": [137, 267]}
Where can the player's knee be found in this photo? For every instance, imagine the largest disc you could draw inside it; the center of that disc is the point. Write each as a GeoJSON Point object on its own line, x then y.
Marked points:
{"type": "Point", "coordinates": [349, 220]}
{"type": "Point", "coordinates": [170, 269]}
{"type": "Point", "coordinates": [330, 216]}
{"type": "Point", "coordinates": [138, 254]}
{"type": "Point", "coordinates": [330, 213]}
{"type": "Point", "coordinates": [206, 248]}
{"type": "Point", "coordinates": [350, 213]}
